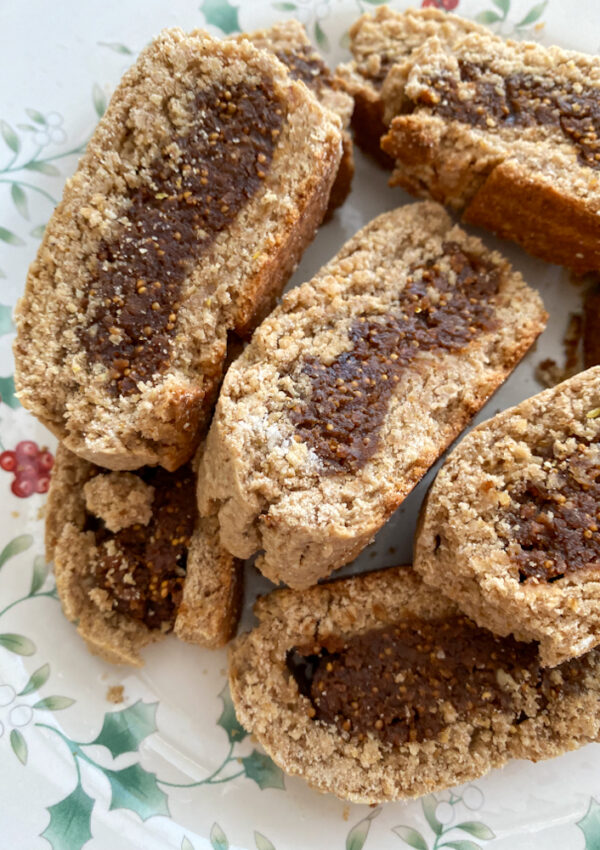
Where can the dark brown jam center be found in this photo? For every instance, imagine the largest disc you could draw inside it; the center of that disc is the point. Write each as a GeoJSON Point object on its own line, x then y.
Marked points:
{"type": "Point", "coordinates": [193, 192]}
{"type": "Point", "coordinates": [306, 65]}
{"type": "Point", "coordinates": [524, 101]}
{"type": "Point", "coordinates": [341, 418]}
{"type": "Point", "coordinates": [145, 578]}
{"type": "Point", "coordinates": [557, 529]}
{"type": "Point", "coordinates": [408, 682]}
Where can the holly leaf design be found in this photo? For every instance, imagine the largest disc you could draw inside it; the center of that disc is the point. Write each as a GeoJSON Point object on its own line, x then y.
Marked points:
{"type": "Point", "coordinates": [9, 237]}
{"type": "Point", "coordinates": [533, 15]}
{"type": "Point", "coordinates": [19, 745]}
{"type": "Point", "coordinates": [284, 7]}
{"type": "Point", "coordinates": [262, 842]}
{"type": "Point", "coordinates": [53, 703]}
{"type": "Point", "coordinates": [476, 828]}
{"type": "Point", "coordinates": [7, 390]}
{"type": "Point", "coordinates": [99, 99]}
{"type": "Point", "coordinates": [118, 48]}
{"type": "Point", "coordinates": [263, 771]}
{"type": "Point", "coordinates": [221, 14]}
{"type": "Point", "coordinates": [218, 839]}
{"type": "Point", "coordinates": [590, 826]}
{"type": "Point", "coordinates": [6, 323]}
{"type": "Point", "coordinates": [42, 167]}
{"type": "Point", "coordinates": [186, 844]}
{"type": "Point", "coordinates": [36, 680]}
{"type": "Point", "coordinates": [15, 547]}
{"type": "Point", "coordinates": [69, 827]}
{"type": "Point", "coordinates": [39, 575]}
{"type": "Point", "coordinates": [123, 731]}
{"type": "Point", "coordinates": [38, 232]}
{"type": "Point", "coordinates": [19, 199]}
{"type": "Point", "coordinates": [462, 845]}
{"type": "Point", "coordinates": [488, 17]}
{"type": "Point", "coordinates": [411, 837]}
{"type": "Point", "coordinates": [18, 644]}
{"type": "Point", "coordinates": [36, 116]}
{"type": "Point", "coordinates": [136, 789]}
{"type": "Point", "coordinates": [358, 834]}
{"type": "Point", "coordinates": [429, 805]}
{"type": "Point", "coordinates": [320, 36]}
{"type": "Point", "coordinates": [10, 137]}
{"type": "Point", "coordinates": [228, 720]}
{"type": "Point", "coordinates": [504, 5]}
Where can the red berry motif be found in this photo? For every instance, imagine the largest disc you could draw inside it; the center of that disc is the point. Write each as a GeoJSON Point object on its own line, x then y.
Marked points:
{"type": "Point", "coordinates": [30, 466]}
{"type": "Point", "coordinates": [448, 5]}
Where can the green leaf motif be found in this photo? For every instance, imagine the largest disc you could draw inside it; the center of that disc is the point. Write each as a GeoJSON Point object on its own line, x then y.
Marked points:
{"type": "Point", "coordinates": [15, 547]}
{"type": "Point", "coordinates": [284, 7]}
{"type": "Point", "coordinates": [40, 574]}
{"type": "Point", "coordinates": [10, 137]}
{"type": "Point", "coordinates": [99, 99]}
{"type": "Point", "coordinates": [69, 827]}
{"type": "Point", "coordinates": [136, 789]}
{"type": "Point", "coordinates": [488, 17]}
{"type": "Point", "coordinates": [18, 644]}
{"type": "Point", "coordinates": [38, 231]}
{"type": "Point", "coordinates": [411, 837]}
{"type": "Point", "coordinates": [19, 745]}
{"type": "Point", "coordinates": [123, 731]}
{"type": "Point", "coordinates": [221, 14]}
{"type": "Point", "coordinates": [10, 238]}
{"type": "Point", "coordinates": [42, 167]}
{"type": "Point", "coordinates": [504, 5]}
{"type": "Point", "coordinates": [476, 828]}
{"type": "Point", "coordinates": [228, 721]}
{"type": "Point", "coordinates": [429, 805]}
{"type": "Point", "coordinates": [36, 680]}
{"type": "Point", "coordinates": [262, 842]}
{"type": "Point", "coordinates": [320, 36]}
{"type": "Point", "coordinates": [263, 771]}
{"type": "Point", "coordinates": [7, 392]}
{"type": "Point", "coordinates": [6, 323]}
{"type": "Point", "coordinates": [358, 834]}
{"type": "Point", "coordinates": [590, 826]}
{"type": "Point", "coordinates": [462, 845]}
{"type": "Point", "coordinates": [186, 844]}
{"type": "Point", "coordinates": [218, 839]}
{"type": "Point", "coordinates": [19, 199]}
{"type": "Point", "coordinates": [36, 116]}
{"type": "Point", "coordinates": [533, 15]}
{"type": "Point", "coordinates": [118, 48]}
{"type": "Point", "coordinates": [53, 703]}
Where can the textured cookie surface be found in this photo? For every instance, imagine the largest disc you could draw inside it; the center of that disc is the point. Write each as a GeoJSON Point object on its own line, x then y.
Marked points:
{"type": "Point", "coordinates": [132, 560]}
{"type": "Point", "coordinates": [200, 188]}
{"type": "Point", "coordinates": [505, 132]}
{"type": "Point", "coordinates": [289, 42]}
{"type": "Point", "coordinates": [376, 688]}
{"type": "Point", "coordinates": [510, 525]}
{"type": "Point", "coordinates": [354, 386]}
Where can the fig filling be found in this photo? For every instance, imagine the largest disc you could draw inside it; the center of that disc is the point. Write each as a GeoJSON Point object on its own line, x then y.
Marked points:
{"type": "Point", "coordinates": [306, 65]}
{"type": "Point", "coordinates": [554, 522]}
{"type": "Point", "coordinates": [522, 100]}
{"type": "Point", "coordinates": [408, 682]}
{"type": "Point", "coordinates": [142, 567]}
{"type": "Point", "coordinates": [445, 304]}
{"type": "Point", "coordinates": [192, 192]}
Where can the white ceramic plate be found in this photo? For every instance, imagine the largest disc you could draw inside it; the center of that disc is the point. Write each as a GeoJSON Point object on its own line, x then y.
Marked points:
{"type": "Point", "coordinates": [170, 767]}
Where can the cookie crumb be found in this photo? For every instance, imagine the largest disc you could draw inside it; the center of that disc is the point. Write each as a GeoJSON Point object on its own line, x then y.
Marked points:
{"type": "Point", "coordinates": [114, 694]}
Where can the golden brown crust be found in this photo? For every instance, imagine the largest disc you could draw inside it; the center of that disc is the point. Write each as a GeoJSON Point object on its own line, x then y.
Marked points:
{"type": "Point", "coordinates": [466, 531]}
{"type": "Point", "coordinates": [241, 271]}
{"type": "Point", "coordinates": [268, 702]}
{"type": "Point", "coordinates": [209, 609]}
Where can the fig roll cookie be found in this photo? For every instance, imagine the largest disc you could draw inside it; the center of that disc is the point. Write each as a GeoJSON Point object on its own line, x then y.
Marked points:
{"type": "Point", "coordinates": [200, 188]}
{"type": "Point", "coordinates": [510, 527]}
{"type": "Point", "coordinates": [355, 385]}
{"type": "Point", "coordinates": [377, 688]}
